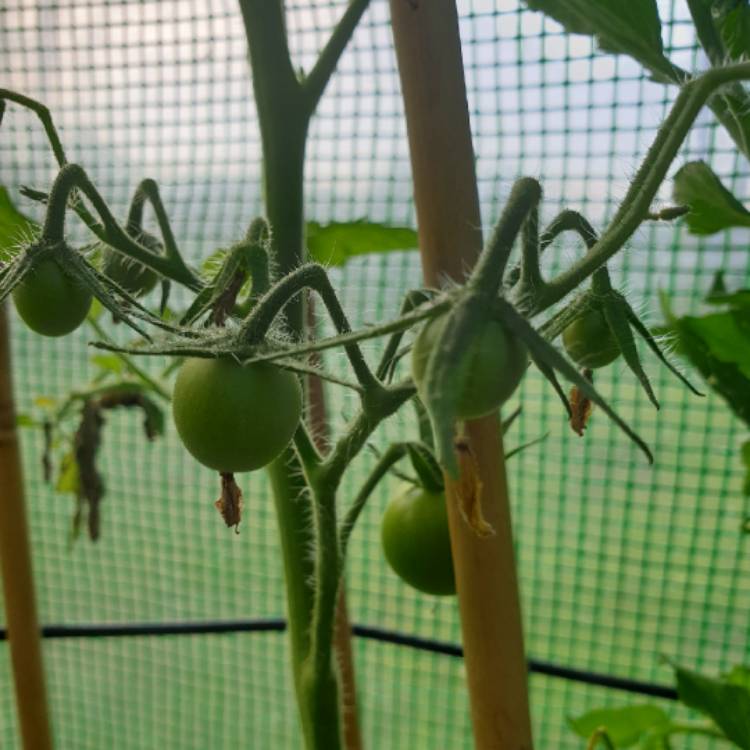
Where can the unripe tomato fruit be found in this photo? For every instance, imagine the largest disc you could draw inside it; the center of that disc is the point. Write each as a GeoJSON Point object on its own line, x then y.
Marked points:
{"type": "Point", "coordinates": [589, 341]}
{"type": "Point", "coordinates": [233, 418]}
{"type": "Point", "coordinates": [50, 301]}
{"type": "Point", "coordinates": [496, 362]}
{"type": "Point", "coordinates": [416, 541]}
{"type": "Point", "coordinates": [127, 273]}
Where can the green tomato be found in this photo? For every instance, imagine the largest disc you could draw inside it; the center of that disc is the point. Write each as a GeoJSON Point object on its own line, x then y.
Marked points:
{"type": "Point", "coordinates": [589, 341]}
{"type": "Point", "coordinates": [127, 273]}
{"type": "Point", "coordinates": [50, 301]}
{"type": "Point", "coordinates": [233, 418]}
{"type": "Point", "coordinates": [416, 541]}
{"type": "Point", "coordinates": [495, 364]}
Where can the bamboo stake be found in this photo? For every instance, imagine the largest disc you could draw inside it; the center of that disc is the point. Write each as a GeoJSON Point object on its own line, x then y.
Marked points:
{"type": "Point", "coordinates": [15, 561]}
{"type": "Point", "coordinates": [428, 48]}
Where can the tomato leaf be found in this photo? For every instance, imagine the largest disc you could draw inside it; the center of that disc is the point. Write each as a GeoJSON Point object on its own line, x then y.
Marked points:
{"type": "Point", "coordinates": [26, 420]}
{"type": "Point", "coordinates": [625, 726]}
{"type": "Point", "coordinates": [726, 703]}
{"type": "Point", "coordinates": [334, 243]}
{"type": "Point", "coordinates": [108, 363]}
{"type": "Point", "coordinates": [732, 20]}
{"type": "Point", "coordinates": [740, 675]}
{"type": "Point", "coordinates": [631, 28]}
{"type": "Point", "coordinates": [712, 206]}
{"type": "Point", "coordinates": [15, 228]}
{"type": "Point", "coordinates": [731, 107]}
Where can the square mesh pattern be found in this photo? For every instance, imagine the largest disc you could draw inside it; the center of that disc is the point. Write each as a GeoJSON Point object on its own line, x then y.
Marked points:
{"type": "Point", "coordinates": [619, 563]}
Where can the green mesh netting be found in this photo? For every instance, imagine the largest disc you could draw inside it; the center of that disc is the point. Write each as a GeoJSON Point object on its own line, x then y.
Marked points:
{"type": "Point", "coordinates": [619, 562]}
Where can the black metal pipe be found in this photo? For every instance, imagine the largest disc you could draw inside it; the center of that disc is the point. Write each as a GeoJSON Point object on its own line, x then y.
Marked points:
{"type": "Point", "coordinates": [277, 625]}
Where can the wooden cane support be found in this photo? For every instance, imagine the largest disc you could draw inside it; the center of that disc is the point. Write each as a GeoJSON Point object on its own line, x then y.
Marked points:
{"type": "Point", "coordinates": [431, 68]}
{"type": "Point", "coordinates": [15, 566]}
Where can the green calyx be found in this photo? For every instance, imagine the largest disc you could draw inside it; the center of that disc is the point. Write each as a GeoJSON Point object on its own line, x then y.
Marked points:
{"type": "Point", "coordinates": [589, 341]}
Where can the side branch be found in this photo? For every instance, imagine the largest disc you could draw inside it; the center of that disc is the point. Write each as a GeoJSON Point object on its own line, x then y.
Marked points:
{"type": "Point", "coordinates": [72, 176]}
{"type": "Point", "coordinates": [45, 117]}
{"type": "Point", "coordinates": [634, 208]}
{"type": "Point", "coordinates": [314, 85]}
{"type": "Point", "coordinates": [311, 276]}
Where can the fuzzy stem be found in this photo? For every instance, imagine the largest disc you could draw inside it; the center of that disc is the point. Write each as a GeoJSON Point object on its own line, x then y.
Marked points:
{"type": "Point", "coordinates": [394, 453]}
{"type": "Point", "coordinates": [314, 85]}
{"type": "Point", "coordinates": [72, 176]}
{"type": "Point", "coordinates": [531, 273]}
{"type": "Point", "coordinates": [46, 119]}
{"type": "Point", "coordinates": [314, 277]}
{"type": "Point", "coordinates": [635, 205]}
{"type": "Point", "coordinates": [490, 268]}
{"type": "Point", "coordinates": [149, 190]}
{"type": "Point", "coordinates": [413, 299]}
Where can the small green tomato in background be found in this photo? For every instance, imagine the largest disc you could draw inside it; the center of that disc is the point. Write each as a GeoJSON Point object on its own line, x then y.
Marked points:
{"type": "Point", "coordinates": [496, 363]}
{"type": "Point", "coordinates": [589, 341]}
{"type": "Point", "coordinates": [127, 273]}
{"type": "Point", "coordinates": [233, 418]}
{"type": "Point", "coordinates": [416, 541]}
{"type": "Point", "coordinates": [50, 301]}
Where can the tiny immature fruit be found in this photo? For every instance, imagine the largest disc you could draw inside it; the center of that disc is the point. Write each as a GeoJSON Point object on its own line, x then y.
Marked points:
{"type": "Point", "coordinates": [50, 301]}
{"type": "Point", "coordinates": [233, 418]}
{"type": "Point", "coordinates": [495, 363]}
{"type": "Point", "coordinates": [589, 341]}
{"type": "Point", "coordinates": [416, 540]}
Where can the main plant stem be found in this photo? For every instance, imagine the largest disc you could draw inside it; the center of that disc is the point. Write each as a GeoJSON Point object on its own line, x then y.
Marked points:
{"type": "Point", "coordinates": [284, 109]}
{"type": "Point", "coordinates": [316, 686]}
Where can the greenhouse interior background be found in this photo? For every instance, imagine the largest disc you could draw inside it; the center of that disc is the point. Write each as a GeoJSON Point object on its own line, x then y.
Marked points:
{"type": "Point", "coordinates": [620, 564]}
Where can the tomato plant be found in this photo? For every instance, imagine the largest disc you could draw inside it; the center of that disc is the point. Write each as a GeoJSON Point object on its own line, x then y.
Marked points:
{"type": "Point", "coordinates": [416, 541]}
{"type": "Point", "coordinates": [469, 357]}
{"type": "Point", "coordinates": [495, 363]}
{"type": "Point", "coordinates": [50, 301]}
{"type": "Point", "coordinates": [132, 276]}
{"type": "Point", "coordinates": [589, 340]}
{"type": "Point", "coordinates": [234, 418]}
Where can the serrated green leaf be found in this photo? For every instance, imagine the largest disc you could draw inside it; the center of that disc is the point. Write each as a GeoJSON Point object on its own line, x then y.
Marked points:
{"type": "Point", "coordinates": [727, 704]}
{"type": "Point", "coordinates": [631, 28]}
{"type": "Point", "coordinates": [625, 726]}
{"type": "Point", "coordinates": [738, 300]}
{"type": "Point", "coordinates": [45, 402]}
{"type": "Point", "coordinates": [732, 19]}
{"type": "Point", "coordinates": [712, 206]}
{"type": "Point", "coordinates": [656, 739]}
{"type": "Point", "coordinates": [108, 363]}
{"type": "Point", "coordinates": [740, 675]}
{"type": "Point", "coordinates": [15, 228]}
{"type": "Point", "coordinates": [333, 244]}
{"type": "Point", "coordinates": [717, 346]}
{"type": "Point", "coordinates": [731, 107]}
